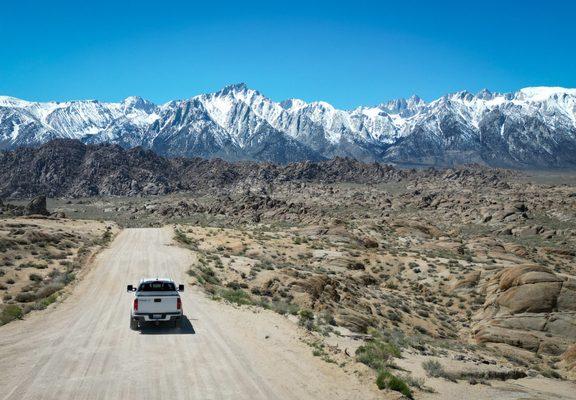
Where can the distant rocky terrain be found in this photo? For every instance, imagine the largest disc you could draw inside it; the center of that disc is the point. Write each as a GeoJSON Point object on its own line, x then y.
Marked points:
{"type": "Point", "coordinates": [70, 168]}
{"type": "Point", "coordinates": [530, 128]}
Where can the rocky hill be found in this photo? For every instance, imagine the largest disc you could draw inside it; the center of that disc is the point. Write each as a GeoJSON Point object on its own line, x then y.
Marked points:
{"type": "Point", "coordinates": [71, 168]}
{"type": "Point", "coordinates": [534, 127]}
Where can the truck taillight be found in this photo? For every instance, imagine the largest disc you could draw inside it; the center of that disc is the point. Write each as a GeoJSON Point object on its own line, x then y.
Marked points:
{"type": "Point", "coordinates": [178, 304]}
{"type": "Point", "coordinates": [135, 304]}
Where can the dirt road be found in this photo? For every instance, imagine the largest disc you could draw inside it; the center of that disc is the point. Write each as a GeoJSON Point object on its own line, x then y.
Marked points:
{"type": "Point", "coordinates": [84, 349]}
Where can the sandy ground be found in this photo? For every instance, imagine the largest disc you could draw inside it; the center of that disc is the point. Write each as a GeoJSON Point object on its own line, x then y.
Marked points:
{"type": "Point", "coordinates": [531, 388]}
{"type": "Point", "coordinates": [84, 349]}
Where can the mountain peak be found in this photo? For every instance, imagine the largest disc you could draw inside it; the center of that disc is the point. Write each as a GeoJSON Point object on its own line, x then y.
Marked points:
{"type": "Point", "coordinates": [138, 103]}
{"type": "Point", "coordinates": [132, 100]}
{"type": "Point", "coordinates": [402, 106]}
{"type": "Point", "coordinates": [236, 87]}
{"type": "Point", "coordinates": [485, 94]}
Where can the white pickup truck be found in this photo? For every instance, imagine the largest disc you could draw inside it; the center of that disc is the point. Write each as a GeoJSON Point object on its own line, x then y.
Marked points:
{"type": "Point", "coordinates": [155, 300]}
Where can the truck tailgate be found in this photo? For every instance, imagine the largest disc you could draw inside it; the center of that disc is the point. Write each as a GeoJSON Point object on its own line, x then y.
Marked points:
{"type": "Point", "coordinates": [157, 304]}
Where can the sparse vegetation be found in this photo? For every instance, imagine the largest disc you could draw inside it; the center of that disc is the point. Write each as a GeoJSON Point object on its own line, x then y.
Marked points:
{"type": "Point", "coordinates": [30, 278]}
{"type": "Point", "coordinates": [434, 369]}
{"type": "Point", "coordinates": [385, 380]}
{"type": "Point", "coordinates": [306, 318]}
{"type": "Point", "coordinates": [9, 313]}
{"type": "Point", "coordinates": [235, 296]}
{"type": "Point", "coordinates": [377, 354]}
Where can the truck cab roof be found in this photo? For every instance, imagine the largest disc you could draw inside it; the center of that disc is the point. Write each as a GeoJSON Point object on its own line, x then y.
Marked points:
{"type": "Point", "coordinates": [147, 280]}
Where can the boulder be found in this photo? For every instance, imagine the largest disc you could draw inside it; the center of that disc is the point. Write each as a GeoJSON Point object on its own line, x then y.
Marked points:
{"type": "Point", "coordinates": [554, 345]}
{"type": "Point", "coordinates": [536, 297]}
{"type": "Point", "coordinates": [528, 288]}
{"type": "Point", "coordinates": [527, 356]}
{"type": "Point", "coordinates": [562, 325]}
{"type": "Point", "coordinates": [567, 297]}
{"type": "Point", "coordinates": [510, 276]}
{"type": "Point", "coordinates": [37, 206]}
{"type": "Point", "coordinates": [533, 322]}
{"type": "Point", "coordinates": [497, 334]}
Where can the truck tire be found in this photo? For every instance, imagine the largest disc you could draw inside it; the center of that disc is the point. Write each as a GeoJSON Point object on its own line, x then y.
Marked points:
{"type": "Point", "coordinates": [133, 324]}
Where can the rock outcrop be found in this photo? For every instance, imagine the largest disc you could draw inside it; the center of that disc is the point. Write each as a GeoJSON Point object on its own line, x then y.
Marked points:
{"type": "Point", "coordinates": [529, 307]}
{"type": "Point", "coordinates": [37, 206]}
{"type": "Point", "coordinates": [69, 168]}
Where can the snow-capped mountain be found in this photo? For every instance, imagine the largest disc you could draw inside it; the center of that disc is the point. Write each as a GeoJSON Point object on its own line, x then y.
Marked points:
{"type": "Point", "coordinates": [532, 127]}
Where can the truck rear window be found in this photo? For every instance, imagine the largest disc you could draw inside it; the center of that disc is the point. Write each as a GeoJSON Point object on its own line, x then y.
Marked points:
{"type": "Point", "coordinates": [157, 287]}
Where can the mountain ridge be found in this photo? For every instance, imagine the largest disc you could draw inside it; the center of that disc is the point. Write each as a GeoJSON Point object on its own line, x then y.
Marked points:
{"type": "Point", "coordinates": [533, 127]}
{"type": "Point", "coordinates": [70, 168]}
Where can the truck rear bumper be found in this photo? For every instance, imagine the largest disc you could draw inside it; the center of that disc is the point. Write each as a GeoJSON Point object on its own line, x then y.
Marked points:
{"type": "Point", "coordinates": [148, 317]}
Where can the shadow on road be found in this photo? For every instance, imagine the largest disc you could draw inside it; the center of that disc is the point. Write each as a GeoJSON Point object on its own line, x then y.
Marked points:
{"type": "Point", "coordinates": [185, 328]}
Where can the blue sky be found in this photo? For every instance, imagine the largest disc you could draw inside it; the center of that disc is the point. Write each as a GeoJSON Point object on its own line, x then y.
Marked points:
{"type": "Point", "coordinates": [347, 53]}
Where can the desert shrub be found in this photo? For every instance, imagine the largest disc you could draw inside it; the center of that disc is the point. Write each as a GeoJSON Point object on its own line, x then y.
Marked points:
{"type": "Point", "coordinates": [35, 277]}
{"type": "Point", "coordinates": [393, 316]}
{"type": "Point", "coordinates": [236, 296]}
{"type": "Point", "coordinates": [25, 297]}
{"type": "Point", "coordinates": [385, 380]}
{"type": "Point", "coordinates": [6, 244]}
{"type": "Point", "coordinates": [414, 382]}
{"type": "Point", "coordinates": [306, 319]}
{"type": "Point", "coordinates": [10, 312]}
{"type": "Point", "coordinates": [181, 237]}
{"type": "Point", "coordinates": [327, 318]}
{"type": "Point", "coordinates": [377, 354]}
{"type": "Point", "coordinates": [10, 281]}
{"type": "Point", "coordinates": [83, 250]}
{"type": "Point", "coordinates": [218, 263]}
{"type": "Point", "coordinates": [49, 289]}
{"type": "Point", "coordinates": [237, 285]}
{"type": "Point", "coordinates": [209, 275]}
{"type": "Point", "coordinates": [57, 256]}
{"type": "Point", "coordinates": [105, 238]}
{"type": "Point", "coordinates": [434, 369]}
{"type": "Point", "coordinates": [33, 265]}
{"type": "Point", "coordinates": [45, 302]}
{"type": "Point", "coordinates": [282, 307]}
{"type": "Point", "coordinates": [65, 278]}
